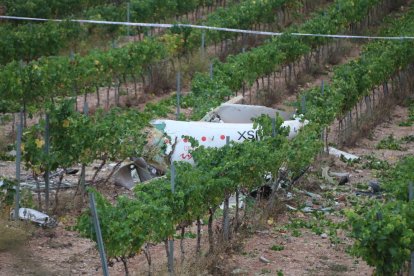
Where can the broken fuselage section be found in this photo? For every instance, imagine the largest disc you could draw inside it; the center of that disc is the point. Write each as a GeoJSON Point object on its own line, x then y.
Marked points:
{"type": "Point", "coordinates": [168, 139]}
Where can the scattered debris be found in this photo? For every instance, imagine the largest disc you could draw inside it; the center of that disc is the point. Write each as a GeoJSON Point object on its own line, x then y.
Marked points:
{"type": "Point", "coordinates": [341, 198]}
{"type": "Point", "coordinates": [308, 203]}
{"type": "Point", "coordinates": [41, 186]}
{"type": "Point", "coordinates": [35, 216]}
{"type": "Point", "coordinates": [55, 181]}
{"type": "Point", "coordinates": [321, 209]}
{"type": "Point", "coordinates": [291, 208]}
{"type": "Point", "coordinates": [340, 174]}
{"type": "Point", "coordinates": [339, 206]}
{"type": "Point", "coordinates": [313, 196]}
{"type": "Point", "coordinates": [375, 186]}
{"type": "Point", "coordinates": [239, 271]}
{"type": "Point", "coordinates": [374, 189]}
{"type": "Point", "coordinates": [339, 153]}
{"type": "Point", "coordinates": [368, 193]}
{"type": "Point", "coordinates": [124, 176]}
{"type": "Point", "coordinates": [344, 179]}
{"type": "Point", "coordinates": [325, 175]}
{"type": "Point", "coordinates": [129, 174]}
{"type": "Point", "coordinates": [71, 171]}
{"type": "Point", "coordinates": [264, 260]}
{"type": "Point", "coordinates": [264, 232]}
{"type": "Point", "coordinates": [262, 192]}
{"type": "Point", "coordinates": [232, 202]}
{"type": "Point", "coordinates": [308, 209]}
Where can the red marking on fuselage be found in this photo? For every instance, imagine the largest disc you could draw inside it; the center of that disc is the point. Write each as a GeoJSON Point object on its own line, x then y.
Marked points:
{"type": "Point", "coordinates": [186, 156]}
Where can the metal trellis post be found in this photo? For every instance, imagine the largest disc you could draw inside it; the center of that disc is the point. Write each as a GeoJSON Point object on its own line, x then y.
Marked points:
{"type": "Point", "coordinates": [47, 172]}
{"type": "Point", "coordinates": [226, 220]}
{"type": "Point", "coordinates": [303, 104]}
{"type": "Point", "coordinates": [171, 240]}
{"type": "Point", "coordinates": [411, 197]}
{"type": "Point", "coordinates": [18, 159]}
{"type": "Point", "coordinates": [178, 94]}
{"type": "Point", "coordinates": [203, 44]}
{"type": "Point", "coordinates": [98, 235]}
{"type": "Point", "coordinates": [128, 17]}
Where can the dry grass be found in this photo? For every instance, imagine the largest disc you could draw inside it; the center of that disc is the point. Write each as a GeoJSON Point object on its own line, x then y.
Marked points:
{"type": "Point", "coordinates": [379, 114]}
{"type": "Point", "coordinates": [5, 141]}
{"type": "Point", "coordinates": [14, 234]}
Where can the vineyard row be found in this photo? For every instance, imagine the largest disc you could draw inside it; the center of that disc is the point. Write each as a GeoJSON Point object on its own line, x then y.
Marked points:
{"type": "Point", "coordinates": [221, 172]}
{"type": "Point", "coordinates": [31, 41]}
{"type": "Point", "coordinates": [50, 75]}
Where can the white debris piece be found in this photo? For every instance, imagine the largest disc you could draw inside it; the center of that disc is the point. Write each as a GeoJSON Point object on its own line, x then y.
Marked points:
{"type": "Point", "coordinates": [241, 113]}
{"type": "Point", "coordinates": [340, 174]}
{"type": "Point", "coordinates": [326, 176]}
{"type": "Point", "coordinates": [264, 260]}
{"type": "Point", "coordinates": [307, 209]}
{"type": "Point", "coordinates": [232, 202]}
{"type": "Point", "coordinates": [339, 153]}
{"type": "Point", "coordinates": [291, 208]}
{"type": "Point", "coordinates": [36, 217]}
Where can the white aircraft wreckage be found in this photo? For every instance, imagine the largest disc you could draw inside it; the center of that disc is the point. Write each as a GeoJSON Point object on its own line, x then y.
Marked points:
{"type": "Point", "coordinates": [36, 217]}
{"type": "Point", "coordinates": [209, 134]}
{"type": "Point", "coordinates": [166, 138]}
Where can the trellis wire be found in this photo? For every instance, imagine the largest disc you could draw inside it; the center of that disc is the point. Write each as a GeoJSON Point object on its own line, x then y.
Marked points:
{"type": "Point", "coordinates": [158, 25]}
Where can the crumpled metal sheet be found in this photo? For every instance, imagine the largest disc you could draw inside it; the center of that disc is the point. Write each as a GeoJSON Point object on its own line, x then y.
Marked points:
{"type": "Point", "coordinates": [240, 113]}
{"type": "Point", "coordinates": [35, 216]}
{"type": "Point", "coordinates": [127, 175]}
{"type": "Point", "coordinates": [339, 153]}
{"type": "Point", "coordinates": [53, 185]}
